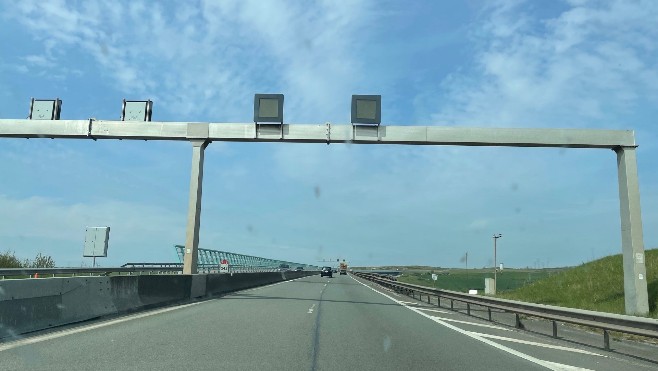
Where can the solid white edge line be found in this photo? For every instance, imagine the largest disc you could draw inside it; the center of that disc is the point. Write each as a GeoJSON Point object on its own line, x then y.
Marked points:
{"type": "Point", "coordinates": [550, 365]}
{"type": "Point", "coordinates": [58, 334]}
{"type": "Point", "coordinates": [540, 344]}
{"type": "Point", "coordinates": [435, 310]}
{"type": "Point", "coordinates": [473, 323]}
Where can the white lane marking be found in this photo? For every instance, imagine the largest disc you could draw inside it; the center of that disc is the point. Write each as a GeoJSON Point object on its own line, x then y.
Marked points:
{"type": "Point", "coordinates": [435, 310]}
{"type": "Point", "coordinates": [270, 285]}
{"type": "Point", "coordinates": [540, 344]}
{"type": "Point", "coordinates": [310, 310]}
{"type": "Point", "coordinates": [325, 285]}
{"type": "Point", "coordinates": [550, 365]}
{"type": "Point", "coordinates": [473, 323]}
{"type": "Point", "coordinates": [55, 335]}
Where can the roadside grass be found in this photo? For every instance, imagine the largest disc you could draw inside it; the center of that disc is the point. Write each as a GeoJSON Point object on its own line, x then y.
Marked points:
{"type": "Point", "coordinates": [597, 285]}
{"type": "Point", "coordinates": [473, 279]}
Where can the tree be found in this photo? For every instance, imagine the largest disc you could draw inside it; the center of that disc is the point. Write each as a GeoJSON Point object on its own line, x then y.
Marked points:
{"type": "Point", "coordinates": [43, 261]}
{"type": "Point", "coordinates": [8, 259]}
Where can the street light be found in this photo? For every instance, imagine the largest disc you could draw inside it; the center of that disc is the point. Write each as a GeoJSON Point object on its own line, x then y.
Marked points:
{"type": "Point", "coordinates": [136, 110]}
{"type": "Point", "coordinates": [366, 111]}
{"type": "Point", "coordinates": [268, 108]}
{"type": "Point", "coordinates": [495, 237]}
{"type": "Point", "coordinates": [268, 114]}
{"type": "Point", "coordinates": [45, 109]}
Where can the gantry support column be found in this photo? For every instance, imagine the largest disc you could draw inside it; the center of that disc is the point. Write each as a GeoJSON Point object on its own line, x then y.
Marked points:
{"type": "Point", "coordinates": [632, 245]}
{"type": "Point", "coordinates": [194, 207]}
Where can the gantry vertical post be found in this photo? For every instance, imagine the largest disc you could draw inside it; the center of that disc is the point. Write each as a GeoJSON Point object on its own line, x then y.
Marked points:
{"type": "Point", "coordinates": [632, 245]}
{"type": "Point", "coordinates": [194, 207]}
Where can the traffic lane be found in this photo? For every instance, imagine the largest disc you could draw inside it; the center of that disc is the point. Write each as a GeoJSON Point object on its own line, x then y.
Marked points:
{"type": "Point", "coordinates": [361, 329]}
{"type": "Point", "coordinates": [230, 332]}
{"type": "Point", "coordinates": [541, 347]}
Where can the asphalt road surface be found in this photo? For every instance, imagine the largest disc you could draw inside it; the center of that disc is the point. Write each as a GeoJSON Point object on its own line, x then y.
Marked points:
{"type": "Point", "coordinates": [311, 323]}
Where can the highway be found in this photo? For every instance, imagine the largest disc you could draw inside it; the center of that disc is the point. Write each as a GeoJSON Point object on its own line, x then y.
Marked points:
{"type": "Point", "coordinates": [311, 323]}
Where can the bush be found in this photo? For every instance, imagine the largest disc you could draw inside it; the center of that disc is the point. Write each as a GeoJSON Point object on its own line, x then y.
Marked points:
{"type": "Point", "coordinates": [42, 261]}
{"type": "Point", "coordinates": [9, 260]}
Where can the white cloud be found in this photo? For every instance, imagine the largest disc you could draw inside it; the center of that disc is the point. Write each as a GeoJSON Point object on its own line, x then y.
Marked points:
{"type": "Point", "coordinates": [587, 67]}
{"type": "Point", "coordinates": [56, 228]}
{"type": "Point", "coordinates": [209, 61]}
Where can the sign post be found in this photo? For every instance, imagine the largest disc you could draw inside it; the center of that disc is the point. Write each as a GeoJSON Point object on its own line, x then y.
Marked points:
{"type": "Point", "coordinates": [434, 278]}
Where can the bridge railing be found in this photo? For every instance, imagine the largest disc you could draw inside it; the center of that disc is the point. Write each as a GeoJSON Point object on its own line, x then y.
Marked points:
{"type": "Point", "coordinates": [605, 321]}
{"type": "Point", "coordinates": [209, 261]}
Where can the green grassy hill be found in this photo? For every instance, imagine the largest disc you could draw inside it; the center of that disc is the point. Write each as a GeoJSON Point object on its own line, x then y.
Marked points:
{"type": "Point", "coordinates": [597, 285]}
{"type": "Point", "coordinates": [465, 279]}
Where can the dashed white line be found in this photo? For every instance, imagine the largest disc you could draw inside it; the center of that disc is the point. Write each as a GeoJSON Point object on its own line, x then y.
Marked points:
{"type": "Point", "coordinates": [550, 365]}
{"type": "Point", "coordinates": [310, 310]}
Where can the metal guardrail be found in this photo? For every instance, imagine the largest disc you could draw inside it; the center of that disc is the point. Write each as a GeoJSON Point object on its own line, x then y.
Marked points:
{"type": "Point", "coordinates": [606, 321]}
{"type": "Point", "coordinates": [132, 268]}
{"type": "Point", "coordinates": [52, 272]}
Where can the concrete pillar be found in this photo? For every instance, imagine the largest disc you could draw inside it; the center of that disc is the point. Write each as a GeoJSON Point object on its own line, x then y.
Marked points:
{"type": "Point", "coordinates": [489, 286]}
{"type": "Point", "coordinates": [632, 245]}
{"type": "Point", "coordinates": [194, 207]}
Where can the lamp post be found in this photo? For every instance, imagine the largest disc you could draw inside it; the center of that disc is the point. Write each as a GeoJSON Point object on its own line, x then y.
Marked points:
{"type": "Point", "coordinates": [495, 237]}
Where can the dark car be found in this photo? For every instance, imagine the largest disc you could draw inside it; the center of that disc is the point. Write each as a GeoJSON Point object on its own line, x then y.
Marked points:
{"type": "Point", "coordinates": [299, 269]}
{"type": "Point", "coordinates": [326, 271]}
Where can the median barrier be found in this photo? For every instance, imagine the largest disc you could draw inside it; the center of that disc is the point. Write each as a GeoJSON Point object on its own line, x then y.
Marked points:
{"type": "Point", "coordinates": [28, 305]}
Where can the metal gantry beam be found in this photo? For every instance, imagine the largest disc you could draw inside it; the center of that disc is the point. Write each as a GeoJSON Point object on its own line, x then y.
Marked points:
{"type": "Point", "coordinates": [200, 134]}
{"type": "Point", "coordinates": [320, 133]}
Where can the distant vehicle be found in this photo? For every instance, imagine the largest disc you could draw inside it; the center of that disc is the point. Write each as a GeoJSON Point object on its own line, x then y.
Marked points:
{"type": "Point", "coordinates": [334, 270]}
{"type": "Point", "coordinates": [343, 268]}
{"type": "Point", "coordinates": [299, 269]}
{"type": "Point", "coordinates": [284, 267]}
{"type": "Point", "coordinates": [326, 271]}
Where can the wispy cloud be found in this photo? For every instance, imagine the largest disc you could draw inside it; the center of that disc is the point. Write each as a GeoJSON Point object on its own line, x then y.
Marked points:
{"type": "Point", "coordinates": [137, 230]}
{"type": "Point", "coordinates": [578, 64]}
{"type": "Point", "coordinates": [589, 66]}
{"type": "Point", "coordinates": [207, 61]}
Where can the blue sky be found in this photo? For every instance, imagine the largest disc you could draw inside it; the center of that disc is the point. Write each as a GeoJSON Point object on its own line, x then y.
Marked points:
{"type": "Point", "coordinates": [558, 64]}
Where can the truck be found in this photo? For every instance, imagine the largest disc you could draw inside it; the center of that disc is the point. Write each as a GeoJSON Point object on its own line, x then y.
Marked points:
{"type": "Point", "coordinates": [342, 268]}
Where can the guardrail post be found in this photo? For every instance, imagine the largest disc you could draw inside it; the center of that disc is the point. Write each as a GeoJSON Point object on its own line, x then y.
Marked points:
{"type": "Point", "coordinates": [468, 309]}
{"type": "Point", "coordinates": [452, 304]}
{"type": "Point", "coordinates": [518, 323]}
{"type": "Point", "coordinates": [428, 299]}
{"type": "Point", "coordinates": [554, 329]}
{"type": "Point", "coordinates": [489, 312]}
{"type": "Point", "coordinates": [438, 301]}
{"type": "Point", "coordinates": [606, 340]}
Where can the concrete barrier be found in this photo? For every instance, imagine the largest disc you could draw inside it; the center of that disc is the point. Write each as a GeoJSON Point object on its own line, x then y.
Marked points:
{"type": "Point", "coordinates": [35, 304]}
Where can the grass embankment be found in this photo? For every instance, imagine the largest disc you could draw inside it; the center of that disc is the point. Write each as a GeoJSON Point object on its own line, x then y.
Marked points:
{"type": "Point", "coordinates": [597, 285]}
{"type": "Point", "coordinates": [473, 279]}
